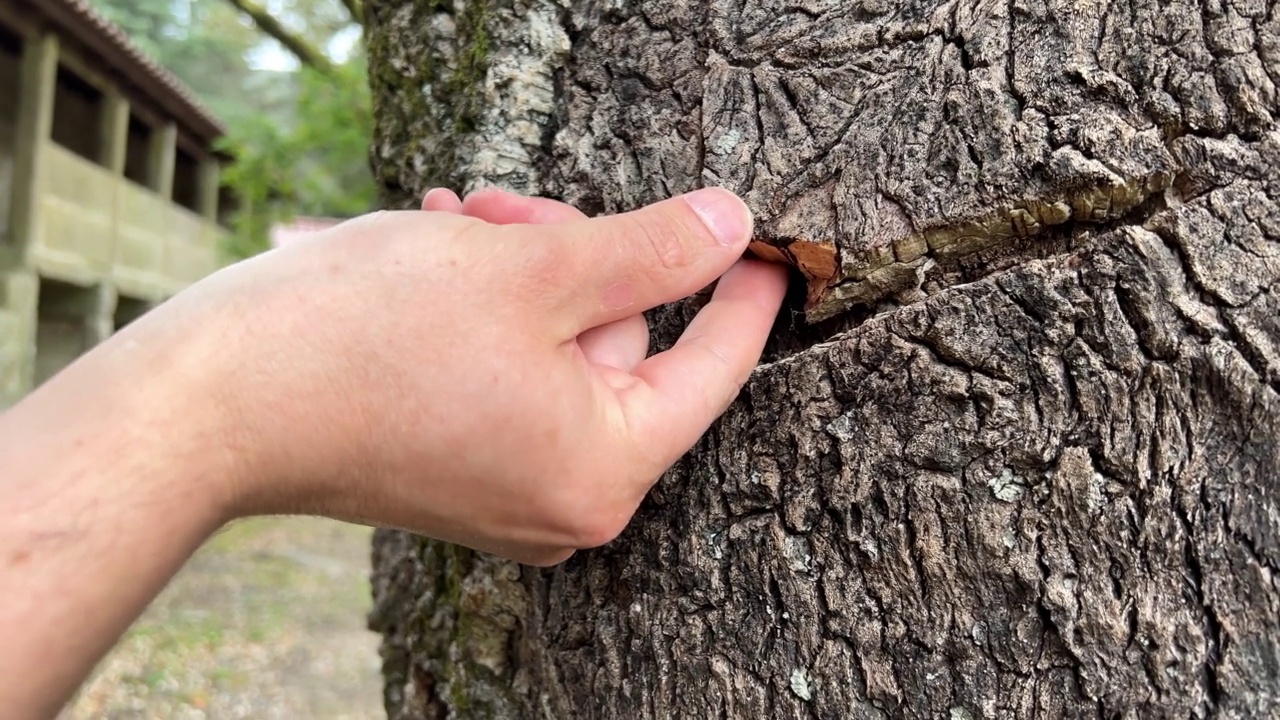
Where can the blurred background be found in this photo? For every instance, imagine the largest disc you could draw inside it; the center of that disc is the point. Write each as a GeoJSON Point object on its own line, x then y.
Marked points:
{"type": "Point", "coordinates": [144, 144]}
{"type": "Point", "coordinates": [287, 79]}
{"type": "Point", "coordinates": [266, 622]}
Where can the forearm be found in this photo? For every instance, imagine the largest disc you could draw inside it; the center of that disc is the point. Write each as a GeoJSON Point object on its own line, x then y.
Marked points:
{"type": "Point", "coordinates": [107, 488]}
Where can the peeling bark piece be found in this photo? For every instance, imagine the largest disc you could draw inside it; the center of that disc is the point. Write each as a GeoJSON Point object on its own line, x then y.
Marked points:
{"type": "Point", "coordinates": [886, 130]}
{"type": "Point", "coordinates": [816, 261]}
{"type": "Point", "coordinates": [931, 128]}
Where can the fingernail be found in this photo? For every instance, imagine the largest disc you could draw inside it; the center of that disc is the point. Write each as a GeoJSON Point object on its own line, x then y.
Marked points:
{"type": "Point", "coordinates": [723, 213]}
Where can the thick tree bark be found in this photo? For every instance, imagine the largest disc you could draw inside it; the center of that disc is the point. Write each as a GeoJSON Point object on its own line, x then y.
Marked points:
{"type": "Point", "coordinates": [1019, 460]}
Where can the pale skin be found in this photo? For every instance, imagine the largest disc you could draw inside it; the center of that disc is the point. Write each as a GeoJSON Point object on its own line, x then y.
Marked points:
{"type": "Point", "coordinates": [477, 372]}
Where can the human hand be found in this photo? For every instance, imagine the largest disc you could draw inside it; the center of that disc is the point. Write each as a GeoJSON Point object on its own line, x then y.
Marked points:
{"type": "Point", "coordinates": [619, 344]}
{"type": "Point", "coordinates": [470, 375]}
{"type": "Point", "coordinates": [475, 372]}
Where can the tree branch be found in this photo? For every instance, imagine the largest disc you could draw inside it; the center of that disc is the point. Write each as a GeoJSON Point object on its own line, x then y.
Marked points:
{"type": "Point", "coordinates": [306, 53]}
{"type": "Point", "coordinates": [356, 9]}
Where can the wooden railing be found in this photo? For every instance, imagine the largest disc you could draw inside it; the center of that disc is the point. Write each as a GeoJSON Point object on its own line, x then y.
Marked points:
{"type": "Point", "coordinates": [94, 225]}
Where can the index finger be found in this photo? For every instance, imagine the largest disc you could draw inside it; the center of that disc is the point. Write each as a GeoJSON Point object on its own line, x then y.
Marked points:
{"type": "Point", "coordinates": [505, 208]}
{"type": "Point", "coordinates": [687, 387]}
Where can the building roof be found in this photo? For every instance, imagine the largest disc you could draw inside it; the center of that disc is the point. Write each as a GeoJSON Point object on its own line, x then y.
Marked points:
{"type": "Point", "coordinates": [83, 23]}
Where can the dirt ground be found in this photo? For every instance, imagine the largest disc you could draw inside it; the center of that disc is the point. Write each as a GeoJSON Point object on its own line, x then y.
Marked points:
{"type": "Point", "coordinates": [267, 621]}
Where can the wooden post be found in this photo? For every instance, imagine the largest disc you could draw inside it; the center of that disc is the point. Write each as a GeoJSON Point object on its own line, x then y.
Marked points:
{"type": "Point", "coordinates": [100, 315]}
{"type": "Point", "coordinates": [163, 157]}
{"type": "Point", "coordinates": [114, 146]}
{"type": "Point", "coordinates": [35, 125]}
{"type": "Point", "coordinates": [113, 152]}
{"type": "Point", "coordinates": [207, 197]}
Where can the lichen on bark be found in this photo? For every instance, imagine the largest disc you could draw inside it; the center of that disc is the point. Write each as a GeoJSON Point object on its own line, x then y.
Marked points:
{"type": "Point", "coordinates": [463, 93]}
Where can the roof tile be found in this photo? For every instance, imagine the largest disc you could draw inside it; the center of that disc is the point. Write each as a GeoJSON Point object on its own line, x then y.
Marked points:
{"type": "Point", "coordinates": [89, 27]}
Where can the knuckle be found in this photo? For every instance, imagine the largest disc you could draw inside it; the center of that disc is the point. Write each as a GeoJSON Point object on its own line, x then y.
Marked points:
{"type": "Point", "coordinates": [549, 558]}
{"type": "Point", "coordinates": [662, 246]}
{"type": "Point", "coordinates": [716, 355]}
{"type": "Point", "coordinates": [545, 272]}
{"type": "Point", "coordinates": [599, 529]}
{"type": "Point", "coordinates": [586, 514]}
{"type": "Point", "coordinates": [719, 362]}
{"type": "Point", "coordinates": [545, 266]}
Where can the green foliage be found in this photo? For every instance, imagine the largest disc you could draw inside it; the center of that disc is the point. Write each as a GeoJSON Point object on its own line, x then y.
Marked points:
{"type": "Point", "coordinates": [203, 42]}
{"type": "Point", "coordinates": [316, 165]}
{"type": "Point", "coordinates": [299, 138]}
{"type": "Point", "coordinates": [145, 21]}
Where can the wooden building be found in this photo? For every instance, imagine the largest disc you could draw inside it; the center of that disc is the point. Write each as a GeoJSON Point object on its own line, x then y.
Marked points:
{"type": "Point", "coordinates": [109, 186]}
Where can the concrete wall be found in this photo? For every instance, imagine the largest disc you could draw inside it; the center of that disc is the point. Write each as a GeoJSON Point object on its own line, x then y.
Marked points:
{"type": "Point", "coordinates": [95, 237]}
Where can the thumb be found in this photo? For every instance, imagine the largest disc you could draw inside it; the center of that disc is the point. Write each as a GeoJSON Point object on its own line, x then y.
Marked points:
{"type": "Point", "coordinates": [685, 388]}
{"type": "Point", "coordinates": [624, 264]}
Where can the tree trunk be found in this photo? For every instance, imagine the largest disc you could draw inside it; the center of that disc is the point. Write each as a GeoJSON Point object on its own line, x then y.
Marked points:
{"type": "Point", "coordinates": [1013, 449]}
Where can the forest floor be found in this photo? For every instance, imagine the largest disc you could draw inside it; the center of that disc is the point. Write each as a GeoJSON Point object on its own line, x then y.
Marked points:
{"type": "Point", "coordinates": [266, 621]}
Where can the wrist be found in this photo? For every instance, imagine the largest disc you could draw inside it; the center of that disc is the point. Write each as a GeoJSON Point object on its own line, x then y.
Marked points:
{"type": "Point", "coordinates": [141, 416]}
